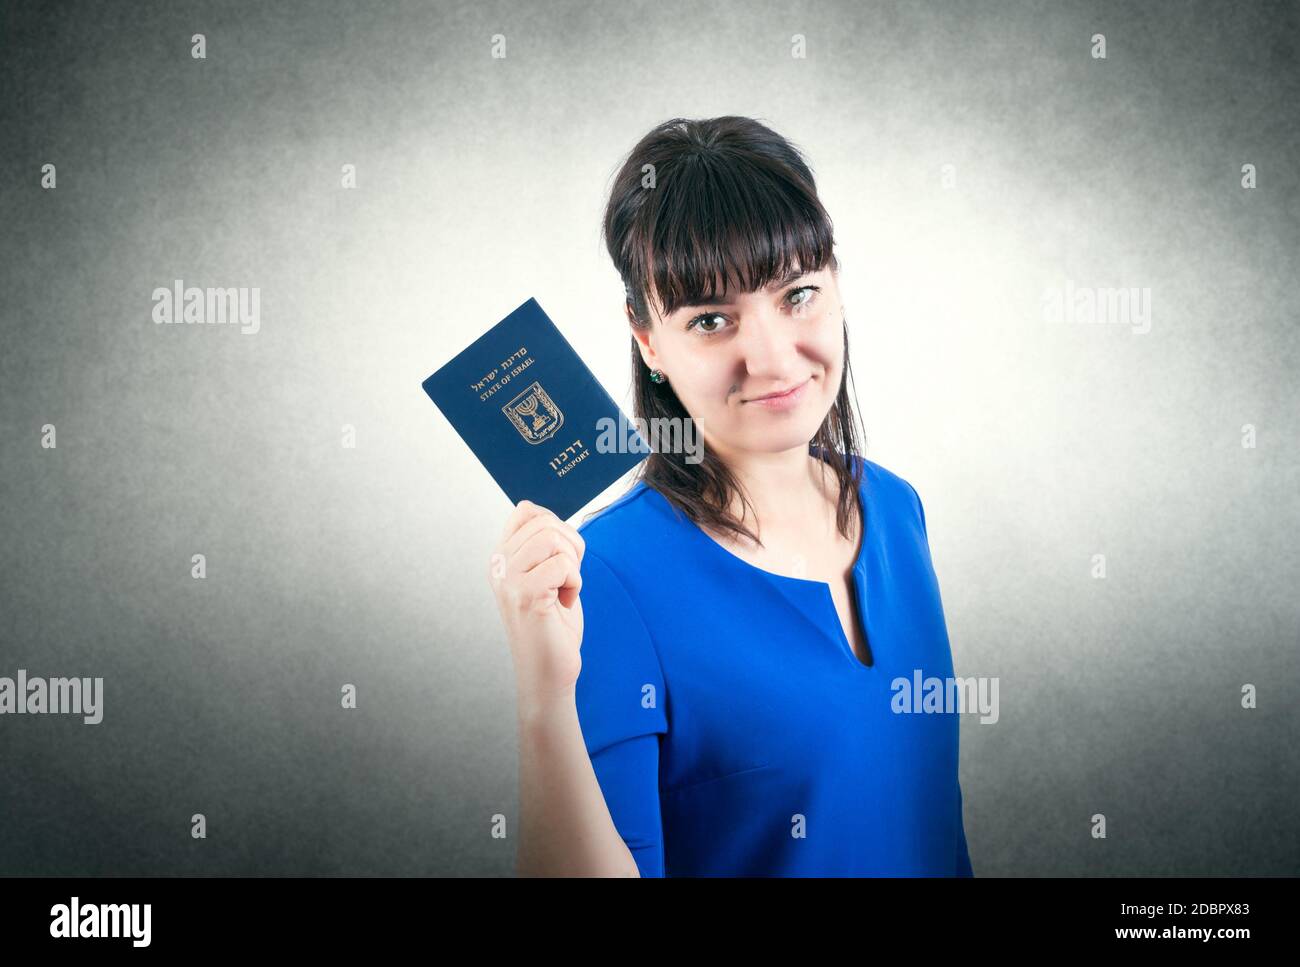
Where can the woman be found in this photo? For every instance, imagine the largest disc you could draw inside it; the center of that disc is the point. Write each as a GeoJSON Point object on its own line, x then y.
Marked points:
{"type": "Point", "coordinates": [694, 700]}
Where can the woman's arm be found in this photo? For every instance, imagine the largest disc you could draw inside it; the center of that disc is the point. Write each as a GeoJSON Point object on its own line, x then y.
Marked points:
{"type": "Point", "coordinates": [565, 828]}
{"type": "Point", "coordinates": [589, 720]}
{"type": "Point", "coordinates": [536, 574]}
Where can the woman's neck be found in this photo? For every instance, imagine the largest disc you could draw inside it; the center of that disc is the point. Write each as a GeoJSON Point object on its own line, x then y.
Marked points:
{"type": "Point", "coordinates": [790, 492]}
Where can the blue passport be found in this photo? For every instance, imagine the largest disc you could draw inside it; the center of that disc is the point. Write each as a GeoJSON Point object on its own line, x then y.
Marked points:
{"type": "Point", "coordinates": [535, 415]}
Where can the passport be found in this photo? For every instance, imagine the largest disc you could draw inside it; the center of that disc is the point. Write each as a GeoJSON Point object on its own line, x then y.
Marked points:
{"type": "Point", "coordinates": [533, 413]}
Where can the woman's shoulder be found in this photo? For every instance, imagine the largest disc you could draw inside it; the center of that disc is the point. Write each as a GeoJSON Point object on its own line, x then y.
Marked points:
{"type": "Point", "coordinates": [884, 482]}
{"type": "Point", "coordinates": [636, 521]}
{"type": "Point", "coordinates": [882, 485]}
{"type": "Point", "coordinates": [893, 498]}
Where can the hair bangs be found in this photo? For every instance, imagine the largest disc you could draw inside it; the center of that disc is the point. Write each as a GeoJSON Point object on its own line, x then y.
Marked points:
{"type": "Point", "coordinates": [719, 227]}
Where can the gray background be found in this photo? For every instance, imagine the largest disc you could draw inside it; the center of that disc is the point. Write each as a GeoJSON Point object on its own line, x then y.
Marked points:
{"type": "Point", "coordinates": [480, 183]}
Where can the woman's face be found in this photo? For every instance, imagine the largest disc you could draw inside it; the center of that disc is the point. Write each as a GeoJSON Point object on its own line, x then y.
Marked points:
{"type": "Point", "coordinates": [721, 357]}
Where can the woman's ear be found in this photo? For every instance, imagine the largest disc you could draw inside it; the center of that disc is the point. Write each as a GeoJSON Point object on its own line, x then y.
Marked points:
{"type": "Point", "coordinates": [642, 337]}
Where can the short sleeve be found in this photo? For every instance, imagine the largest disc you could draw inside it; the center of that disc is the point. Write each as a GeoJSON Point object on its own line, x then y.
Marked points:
{"type": "Point", "coordinates": [920, 509]}
{"type": "Point", "coordinates": [628, 774]}
{"type": "Point", "coordinates": [621, 708]}
{"type": "Point", "coordinates": [620, 690]}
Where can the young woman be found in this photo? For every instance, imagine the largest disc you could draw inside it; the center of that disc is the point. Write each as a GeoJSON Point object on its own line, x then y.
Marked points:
{"type": "Point", "coordinates": [692, 700]}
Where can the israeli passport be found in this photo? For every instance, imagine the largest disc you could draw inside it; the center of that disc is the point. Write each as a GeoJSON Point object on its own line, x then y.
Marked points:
{"type": "Point", "coordinates": [535, 415]}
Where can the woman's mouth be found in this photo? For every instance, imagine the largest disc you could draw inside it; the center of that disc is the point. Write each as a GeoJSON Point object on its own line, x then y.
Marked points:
{"type": "Point", "coordinates": [785, 401]}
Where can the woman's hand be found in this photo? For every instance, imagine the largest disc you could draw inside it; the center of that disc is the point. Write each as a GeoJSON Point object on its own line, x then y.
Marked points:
{"type": "Point", "coordinates": [534, 573]}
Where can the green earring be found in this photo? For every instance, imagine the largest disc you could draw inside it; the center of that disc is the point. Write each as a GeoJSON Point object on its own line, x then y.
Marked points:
{"type": "Point", "coordinates": [657, 376]}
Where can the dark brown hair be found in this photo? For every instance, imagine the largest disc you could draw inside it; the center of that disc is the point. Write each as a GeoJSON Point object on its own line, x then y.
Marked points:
{"type": "Point", "coordinates": [726, 200]}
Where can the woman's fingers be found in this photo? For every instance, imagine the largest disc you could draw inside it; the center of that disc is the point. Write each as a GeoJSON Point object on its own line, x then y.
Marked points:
{"type": "Point", "coordinates": [533, 536]}
{"type": "Point", "coordinates": [535, 519]}
{"type": "Point", "coordinates": [557, 577]}
{"type": "Point", "coordinates": [524, 511]}
{"type": "Point", "coordinates": [541, 546]}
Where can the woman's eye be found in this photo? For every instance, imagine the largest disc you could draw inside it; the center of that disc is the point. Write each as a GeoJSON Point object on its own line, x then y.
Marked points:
{"type": "Point", "coordinates": [809, 293]}
{"type": "Point", "coordinates": [699, 322]}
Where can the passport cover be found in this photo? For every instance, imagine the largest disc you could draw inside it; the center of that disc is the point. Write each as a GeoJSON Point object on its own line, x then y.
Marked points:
{"type": "Point", "coordinates": [529, 408]}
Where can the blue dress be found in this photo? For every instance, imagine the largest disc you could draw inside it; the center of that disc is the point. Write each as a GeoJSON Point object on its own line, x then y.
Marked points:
{"type": "Point", "coordinates": [731, 727]}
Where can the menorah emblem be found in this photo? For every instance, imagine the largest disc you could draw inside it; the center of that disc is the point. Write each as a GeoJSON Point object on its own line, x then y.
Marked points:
{"type": "Point", "coordinates": [534, 414]}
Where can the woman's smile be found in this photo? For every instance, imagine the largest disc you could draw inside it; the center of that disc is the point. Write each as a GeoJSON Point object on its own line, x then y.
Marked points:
{"type": "Point", "coordinates": [785, 401]}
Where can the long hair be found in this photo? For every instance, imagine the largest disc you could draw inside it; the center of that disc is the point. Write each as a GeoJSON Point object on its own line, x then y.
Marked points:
{"type": "Point", "coordinates": [695, 203]}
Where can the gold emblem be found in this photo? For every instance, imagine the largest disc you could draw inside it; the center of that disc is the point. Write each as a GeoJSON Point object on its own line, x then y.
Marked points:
{"type": "Point", "coordinates": [534, 414]}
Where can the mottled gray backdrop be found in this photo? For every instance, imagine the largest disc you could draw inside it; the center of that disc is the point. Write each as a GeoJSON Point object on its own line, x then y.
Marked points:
{"type": "Point", "coordinates": [974, 156]}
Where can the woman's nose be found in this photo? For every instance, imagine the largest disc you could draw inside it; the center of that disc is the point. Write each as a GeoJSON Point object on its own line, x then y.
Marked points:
{"type": "Point", "coordinates": [767, 344]}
